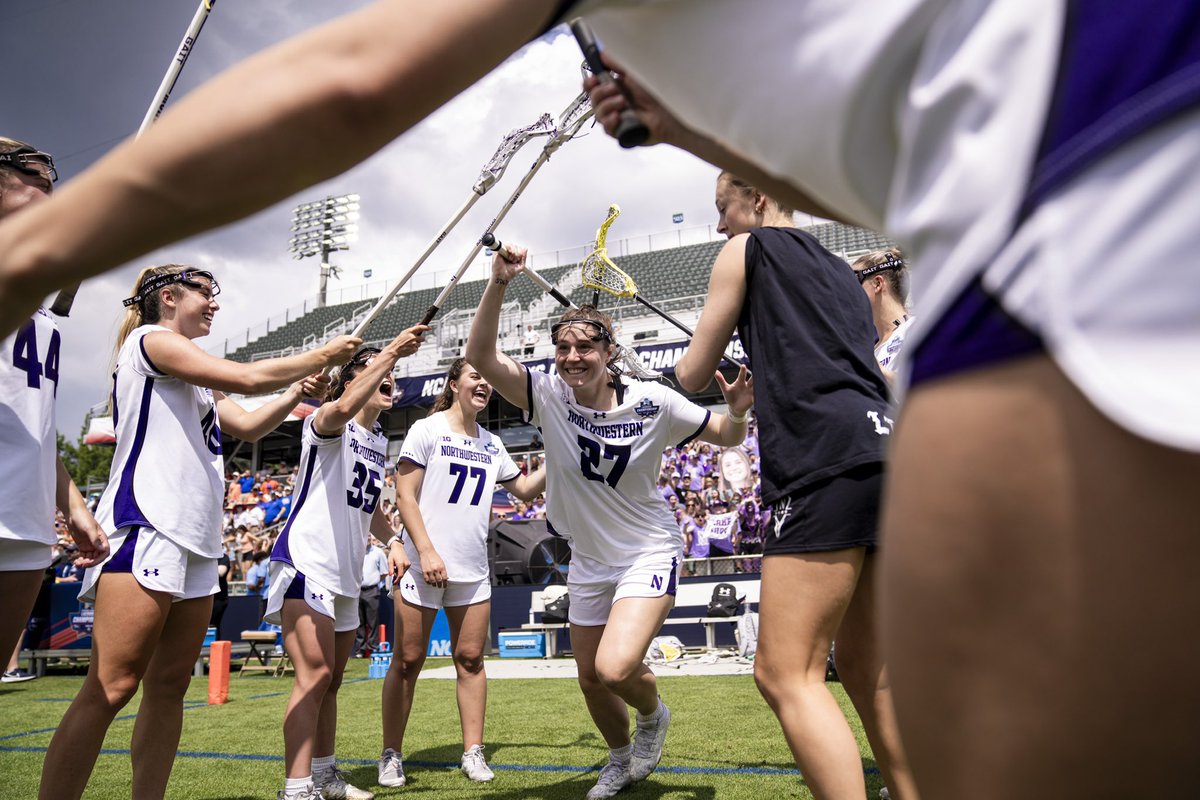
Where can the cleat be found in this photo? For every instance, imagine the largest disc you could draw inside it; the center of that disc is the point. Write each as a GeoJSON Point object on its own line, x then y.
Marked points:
{"type": "Point", "coordinates": [648, 743]}
{"type": "Point", "coordinates": [391, 769]}
{"type": "Point", "coordinates": [613, 778]}
{"type": "Point", "coordinates": [332, 785]}
{"type": "Point", "coordinates": [474, 766]}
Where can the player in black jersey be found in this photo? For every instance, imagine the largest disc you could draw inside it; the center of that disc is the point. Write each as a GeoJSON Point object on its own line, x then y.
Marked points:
{"type": "Point", "coordinates": [824, 422]}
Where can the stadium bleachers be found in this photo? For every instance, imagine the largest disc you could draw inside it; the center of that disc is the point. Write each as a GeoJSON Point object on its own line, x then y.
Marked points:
{"type": "Point", "coordinates": [660, 275]}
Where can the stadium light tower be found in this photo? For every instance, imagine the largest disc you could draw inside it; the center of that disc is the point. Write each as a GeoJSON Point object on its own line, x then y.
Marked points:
{"type": "Point", "coordinates": [323, 227]}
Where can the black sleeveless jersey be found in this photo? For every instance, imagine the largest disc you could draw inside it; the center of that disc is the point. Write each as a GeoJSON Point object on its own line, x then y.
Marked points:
{"type": "Point", "coordinates": [820, 399]}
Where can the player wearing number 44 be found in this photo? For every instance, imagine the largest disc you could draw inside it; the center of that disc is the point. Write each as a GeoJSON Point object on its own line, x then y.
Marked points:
{"type": "Point", "coordinates": [316, 564]}
{"type": "Point", "coordinates": [162, 513]}
{"type": "Point", "coordinates": [448, 466]}
{"type": "Point", "coordinates": [604, 442]}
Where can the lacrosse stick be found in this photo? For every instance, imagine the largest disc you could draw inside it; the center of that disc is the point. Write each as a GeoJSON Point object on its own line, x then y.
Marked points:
{"type": "Point", "coordinates": [66, 296]}
{"type": "Point", "coordinates": [599, 272]}
{"type": "Point", "coordinates": [631, 131]}
{"type": "Point", "coordinates": [569, 123]}
{"type": "Point", "coordinates": [492, 171]}
{"type": "Point", "coordinates": [600, 248]}
{"type": "Point", "coordinates": [631, 363]}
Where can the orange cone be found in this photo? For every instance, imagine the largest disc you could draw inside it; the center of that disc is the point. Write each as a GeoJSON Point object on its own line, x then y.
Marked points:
{"type": "Point", "coordinates": [218, 673]}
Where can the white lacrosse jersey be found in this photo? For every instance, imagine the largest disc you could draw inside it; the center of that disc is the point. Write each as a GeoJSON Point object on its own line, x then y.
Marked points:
{"type": "Point", "coordinates": [339, 485]}
{"type": "Point", "coordinates": [167, 472]}
{"type": "Point", "coordinates": [455, 498]}
{"type": "Point", "coordinates": [28, 472]}
{"type": "Point", "coordinates": [887, 351]}
{"type": "Point", "coordinates": [601, 491]}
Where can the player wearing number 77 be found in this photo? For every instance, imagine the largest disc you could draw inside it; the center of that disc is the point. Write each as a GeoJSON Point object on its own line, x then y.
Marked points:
{"type": "Point", "coordinates": [447, 469]}
{"type": "Point", "coordinates": [604, 440]}
{"type": "Point", "coordinates": [316, 564]}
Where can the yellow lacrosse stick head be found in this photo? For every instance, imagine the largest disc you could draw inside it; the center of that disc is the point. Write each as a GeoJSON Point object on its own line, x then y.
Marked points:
{"type": "Point", "coordinates": [599, 271]}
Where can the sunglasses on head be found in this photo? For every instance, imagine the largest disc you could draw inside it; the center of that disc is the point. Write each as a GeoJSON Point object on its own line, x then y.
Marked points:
{"type": "Point", "coordinates": [600, 333]}
{"type": "Point", "coordinates": [31, 162]}
{"type": "Point", "coordinates": [188, 278]}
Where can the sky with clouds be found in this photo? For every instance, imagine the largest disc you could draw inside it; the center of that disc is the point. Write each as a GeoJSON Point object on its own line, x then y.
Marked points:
{"type": "Point", "coordinates": [80, 75]}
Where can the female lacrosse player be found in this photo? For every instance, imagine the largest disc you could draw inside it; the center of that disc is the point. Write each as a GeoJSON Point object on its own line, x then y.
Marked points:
{"type": "Point", "coordinates": [448, 466]}
{"type": "Point", "coordinates": [162, 513]}
{"type": "Point", "coordinates": [604, 442]}
{"type": "Point", "coordinates": [1048, 195]}
{"type": "Point", "coordinates": [316, 564]}
{"type": "Point", "coordinates": [822, 431]}
{"type": "Point", "coordinates": [34, 478]}
{"type": "Point", "coordinates": [884, 276]}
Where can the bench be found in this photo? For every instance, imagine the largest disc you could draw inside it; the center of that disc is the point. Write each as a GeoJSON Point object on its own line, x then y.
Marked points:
{"type": "Point", "coordinates": [687, 595]}
{"type": "Point", "coordinates": [39, 658]}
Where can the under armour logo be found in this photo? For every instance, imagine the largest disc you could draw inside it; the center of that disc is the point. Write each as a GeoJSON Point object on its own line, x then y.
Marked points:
{"type": "Point", "coordinates": [148, 572]}
{"type": "Point", "coordinates": [599, 414]}
{"type": "Point", "coordinates": [316, 596]}
{"type": "Point", "coordinates": [779, 515]}
{"type": "Point", "coordinates": [412, 587]}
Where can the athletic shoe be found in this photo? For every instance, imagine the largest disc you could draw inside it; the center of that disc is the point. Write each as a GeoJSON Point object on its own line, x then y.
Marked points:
{"type": "Point", "coordinates": [311, 793]}
{"type": "Point", "coordinates": [17, 675]}
{"type": "Point", "coordinates": [884, 794]}
{"type": "Point", "coordinates": [648, 743]}
{"type": "Point", "coordinates": [391, 769]}
{"type": "Point", "coordinates": [474, 767]}
{"type": "Point", "coordinates": [613, 778]}
{"type": "Point", "coordinates": [332, 785]}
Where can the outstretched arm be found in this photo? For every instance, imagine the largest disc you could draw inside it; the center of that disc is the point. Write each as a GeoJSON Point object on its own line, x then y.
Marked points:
{"type": "Point", "coordinates": [504, 374]}
{"type": "Point", "coordinates": [332, 417]}
{"type": "Point", "coordinates": [527, 487]}
{"type": "Point", "coordinates": [718, 319]}
{"type": "Point", "coordinates": [245, 139]}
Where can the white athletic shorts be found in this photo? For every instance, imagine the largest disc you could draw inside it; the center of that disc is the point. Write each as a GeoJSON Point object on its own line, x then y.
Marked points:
{"type": "Point", "coordinates": [21, 555]}
{"type": "Point", "coordinates": [288, 583]}
{"type": "Point", "coordinates": [158, 563]}
{"type": "Point", "coordinates": [417, 592]}
{"type": "Point", "coordinates": [594, 587]}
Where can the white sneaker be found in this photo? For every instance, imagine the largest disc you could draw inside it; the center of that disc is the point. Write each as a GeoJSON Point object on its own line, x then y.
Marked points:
{"type": "Point", "coordinates": [391, 769]}
{"type": "Point", "coordinates": [648, 744]}
{"type": "Point", "coordinates": [884, 794]}
{"type": "Point", "coordinates": [474, 766]}
{"type": "Point", "coordinates": [332, 785]}
{"type": "Point", "coordinates": [311, 793]}
{"type": "Point", "coordinates": [613, 778]}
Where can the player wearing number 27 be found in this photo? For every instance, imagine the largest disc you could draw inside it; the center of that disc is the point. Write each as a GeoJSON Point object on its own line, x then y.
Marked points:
{"type": "Point", "coordinates": [604, 441]}
{"type": "Point", "coordinates": [316, 564]}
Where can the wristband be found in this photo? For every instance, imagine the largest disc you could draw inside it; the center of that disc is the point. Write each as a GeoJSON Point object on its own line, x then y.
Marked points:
{"type": "Point", "coordinates": [735, 419]}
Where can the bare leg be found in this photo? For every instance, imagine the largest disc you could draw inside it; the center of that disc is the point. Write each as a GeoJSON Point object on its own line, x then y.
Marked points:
{"type": "Point", "coordinates": [309, 638]}
{"type": "Point", "coordinates": [802, 603]}
{"type": "Point", "coordinates": [1039, 569]}
{"type": "Point", "coordinates": [129, 621]}
{"type": "Point", "coordinates": [416, 624]}
{"type": "Point", "coordinates": [18, 593]}
{"type": "Point", "coordinates": [327, 723]}
{"type": "Point", "coordinates": [468, 637]}
{"type": "Point", "coordinates": [612, 674]}
{"type": "Point", "coordinates": [865, 678]}
{"type": "Point", "coordinates": [160, 715]}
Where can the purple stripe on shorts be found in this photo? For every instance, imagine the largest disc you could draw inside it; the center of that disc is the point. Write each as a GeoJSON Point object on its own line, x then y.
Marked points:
{"type": "Point", "coordinates": [671, 584]}
{"type": "Point", "coordinates": [122, 560]}
{"type": "Point", "coordinates": [295, 589]}
{"type": "Point", "coordinates": [974, 332]}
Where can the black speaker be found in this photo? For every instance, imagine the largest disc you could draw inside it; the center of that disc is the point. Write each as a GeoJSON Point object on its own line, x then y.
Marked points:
{"type": "Point", "coordinates": [524, 551]}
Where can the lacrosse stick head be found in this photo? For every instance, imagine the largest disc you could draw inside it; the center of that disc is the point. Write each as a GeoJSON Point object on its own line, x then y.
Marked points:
{"type": "Point", "coordinates": [629, 363]}
{"type": "Point", "coordinates": [600, 273]}
{"type": "Point", "coordinates": [569, 122]}
{"type": "Point", "coordinates": [493, 170]}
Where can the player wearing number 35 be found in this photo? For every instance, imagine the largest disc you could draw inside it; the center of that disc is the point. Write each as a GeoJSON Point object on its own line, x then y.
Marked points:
{"type": "Point", "coordinates": [604, 441]}
{"type": "Point", "coordinates": [444, 479]}
{"type": "Point", "coordinates": [162, 513]}
{"type": "Point", "coordinates": [316, 564]}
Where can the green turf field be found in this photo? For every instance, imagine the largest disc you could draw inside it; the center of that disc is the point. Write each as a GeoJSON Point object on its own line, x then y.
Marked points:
{"type": "Point", "coordinates": [724, 742]}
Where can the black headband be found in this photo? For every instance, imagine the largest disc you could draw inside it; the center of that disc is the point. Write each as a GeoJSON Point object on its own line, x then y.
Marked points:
{"type": "Point", "coordinates": [601, 335]}
{"type": "Point", "coordinates": [20, 159]}
{"type": "Point", "coordinates": [188, 277]}
{"type": "Point", "coordinates": [890, 262]}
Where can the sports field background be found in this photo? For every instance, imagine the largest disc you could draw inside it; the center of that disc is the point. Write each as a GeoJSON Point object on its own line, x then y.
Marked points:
{"type": "Point", "coordinates": [723, 742]}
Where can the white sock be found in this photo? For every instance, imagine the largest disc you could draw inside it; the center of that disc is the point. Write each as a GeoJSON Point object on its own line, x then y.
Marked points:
{"type": "Point", "coordinates": [654, 716]}
{"type": "Point", "coordinates": [294, 786]}
{"type": "Point", "coordinates": [621, 755]}
{"type": "Point", "coordinates": [323, 764]}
